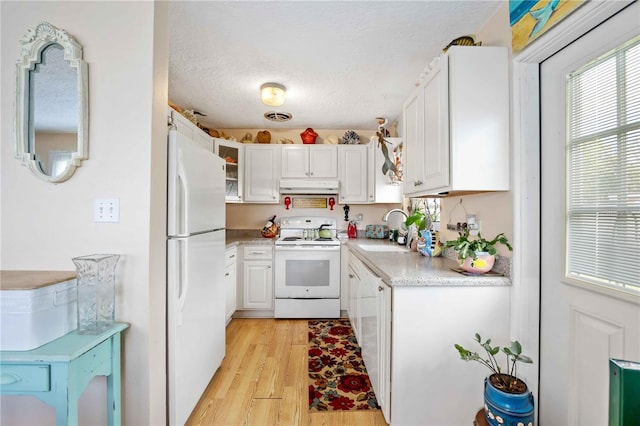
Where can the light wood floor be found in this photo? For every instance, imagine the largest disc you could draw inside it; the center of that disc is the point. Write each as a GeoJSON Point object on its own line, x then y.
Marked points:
{"type": "Point", "coordinates": [263, 380]}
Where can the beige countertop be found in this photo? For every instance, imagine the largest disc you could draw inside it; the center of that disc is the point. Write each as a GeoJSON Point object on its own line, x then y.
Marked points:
{"type": "Point", "coordinates": [246, 237]}
{"type": "Point", "coordinates": [396, 268]}
{"type": "Point", "coordinates": [407, 268]}
{"type": "Point", "coordinates": [29, 280]}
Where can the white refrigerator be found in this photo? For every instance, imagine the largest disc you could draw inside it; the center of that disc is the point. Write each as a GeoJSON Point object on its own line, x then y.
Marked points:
{"type": "Point", "coordinates": [195, 273]}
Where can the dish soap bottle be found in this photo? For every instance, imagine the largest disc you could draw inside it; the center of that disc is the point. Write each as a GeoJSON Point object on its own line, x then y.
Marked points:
{"type": "Point", "coordinates": [352, 230]}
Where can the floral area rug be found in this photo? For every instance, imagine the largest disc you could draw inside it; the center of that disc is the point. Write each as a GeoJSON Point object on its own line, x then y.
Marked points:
{"type": "Point", "coordinates": [338, 379]}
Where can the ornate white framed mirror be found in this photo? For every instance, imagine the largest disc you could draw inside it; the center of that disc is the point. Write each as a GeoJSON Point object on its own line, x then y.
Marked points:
{"type": "Point", "coordinates": [52, 108]}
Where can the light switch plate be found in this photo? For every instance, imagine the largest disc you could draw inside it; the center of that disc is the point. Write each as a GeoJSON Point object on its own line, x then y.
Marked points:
{"type": "Point", "coordinates": [106, 210]}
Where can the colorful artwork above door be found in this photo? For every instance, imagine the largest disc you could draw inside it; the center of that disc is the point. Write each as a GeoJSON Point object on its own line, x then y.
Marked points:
{"type": "Point", "coordinates": [531, 18]}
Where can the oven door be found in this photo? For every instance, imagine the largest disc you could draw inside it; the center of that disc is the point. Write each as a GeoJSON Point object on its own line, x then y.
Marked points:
{"type": "Point", "coordinates": [307, 272]}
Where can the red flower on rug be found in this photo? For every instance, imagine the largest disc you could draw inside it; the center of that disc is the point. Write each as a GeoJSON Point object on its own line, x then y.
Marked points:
{"type": "Point", "coordinates": [342, 403]}
{"type": "Point", "coordinates": [337, 375]}
{"type": "Point", "coordinates": [354, 383]}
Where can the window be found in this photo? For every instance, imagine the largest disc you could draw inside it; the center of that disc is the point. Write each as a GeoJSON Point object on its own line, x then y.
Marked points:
{"type": "Point", "coordinates": [603, 170]}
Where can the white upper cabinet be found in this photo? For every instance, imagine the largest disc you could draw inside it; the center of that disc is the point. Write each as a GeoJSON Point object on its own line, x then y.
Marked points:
{"type": "Point", "coordinates": [456, 125]}
{"type": "Point", "coordinates": [262, 166]}
{"type": "Point", "coordinates": [413, 117]}
{"type": "Point", "coordinates": [353, 174]}
{"type": "Point", "coordinates": [317, 161]}
{"type": "Point", "coordinates": [190, 130]}
{"type": "Point", "coordinates": [233, 154]}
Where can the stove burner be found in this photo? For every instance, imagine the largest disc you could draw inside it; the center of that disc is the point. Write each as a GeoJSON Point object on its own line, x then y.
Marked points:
{"type": "Point", "coordinates": [291, 238]}
{"type": "Point", "coordinates": [324, 239]}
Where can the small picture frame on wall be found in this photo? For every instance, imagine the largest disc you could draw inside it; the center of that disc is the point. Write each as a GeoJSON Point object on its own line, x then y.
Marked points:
{"type": "Point", "coordinates": [310, 203]}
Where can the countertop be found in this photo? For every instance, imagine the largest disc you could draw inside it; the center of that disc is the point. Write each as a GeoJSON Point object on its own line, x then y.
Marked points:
{"type": "Point", "coordinates": [407, 268]}
{"type": "Point", "coordinates": [235, 237]}
{"type": "Point", "coordinates": [396, 268]}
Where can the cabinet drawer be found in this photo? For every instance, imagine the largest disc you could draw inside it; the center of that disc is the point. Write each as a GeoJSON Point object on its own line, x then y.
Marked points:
{"type": "Point", "coordinates": [258, 252]}
{"type": "Point", "coordinates": [30, 378]}
{"type": "Point", "coordinates": [230, 256]}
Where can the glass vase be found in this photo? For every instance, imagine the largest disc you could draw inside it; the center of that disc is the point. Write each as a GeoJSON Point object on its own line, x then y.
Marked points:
{"type": "Point", "coordinates": [96, 292]}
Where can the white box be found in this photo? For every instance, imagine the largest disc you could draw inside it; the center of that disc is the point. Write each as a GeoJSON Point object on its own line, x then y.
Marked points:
{"type": "Point", "coordinates": [33, 317]}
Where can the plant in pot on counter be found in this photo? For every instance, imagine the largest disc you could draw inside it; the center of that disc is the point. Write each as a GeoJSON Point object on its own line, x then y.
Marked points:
{"type": "Point", "coordinates": [422, 222]}
{"type": "Point", "coordinates": [477, 255]}
{"type": "Point", "coordinates": [507, 400]}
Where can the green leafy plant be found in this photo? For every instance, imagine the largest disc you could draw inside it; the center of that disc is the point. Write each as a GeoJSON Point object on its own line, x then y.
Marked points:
{"type": "Point", "coordinates": [466, 247]}
{"type": "Point", "coordinates": [420, 219]}
{"type": "Point", "coordinates": [506, 380]}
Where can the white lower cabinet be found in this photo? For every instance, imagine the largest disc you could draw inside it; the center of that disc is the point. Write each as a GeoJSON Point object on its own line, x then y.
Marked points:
{"type": "Point", "coordinates": [407, 335]}
{"type": "Point", "coordinates": [257, 277]}
{"type": "Point", "coordinates": [355, 284]}
{"type": "Point", "coordinates": [230, 277]}
{"type": "Point", "coordinates": [370, 311]}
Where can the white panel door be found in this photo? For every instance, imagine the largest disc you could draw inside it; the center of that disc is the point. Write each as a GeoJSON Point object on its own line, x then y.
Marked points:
{"type": "Point", "coordinates": [580, 327]}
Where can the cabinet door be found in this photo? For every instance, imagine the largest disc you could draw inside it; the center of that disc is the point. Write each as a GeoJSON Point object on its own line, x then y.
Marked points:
{"type": "Point", "coordinates": [413, 117]}
{"type": "Point", "coordinates": [258, 285]}
{"type": "Point", "coordinates": [191, 130]}
{"type": "Point", "coordinates": [354, 299]}
{"type": "Point", "coordinates": [436, 126]}
{"type": "Point", "coordinates": [183, 125]}
{"type": "Point", "coordinates": [353, 174]}
{"type": "Point", "coordinates": [261, 174]}
{"type": "Point", "coordinates": [295, 161]}
{"type": "Point", "coordinates": [204, 139]}
{"type": "Point", "coordinates": [233, 154]}
{"type": "Point", "coordinates": [323, 161]}
{"type": "Point", "coordinates": [230, 291]}
{"type": "Point", "coordinates": [383, 387]}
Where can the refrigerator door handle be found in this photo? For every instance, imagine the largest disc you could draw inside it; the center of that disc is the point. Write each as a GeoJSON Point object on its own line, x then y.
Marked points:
{"type": "Point", "coordinates": [182, 199]}
{"type": "Point", "coordinates": [183, 279]}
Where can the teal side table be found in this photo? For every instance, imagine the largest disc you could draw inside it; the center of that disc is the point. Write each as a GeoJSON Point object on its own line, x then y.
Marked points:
{"type": "Point", "coordinates": [57, 373]}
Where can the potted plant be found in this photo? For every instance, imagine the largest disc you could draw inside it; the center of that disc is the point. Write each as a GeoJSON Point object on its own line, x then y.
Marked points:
{"type": "Point", "coordinates": [418, 218]}
{"type": "Point", "coordinates": [422, 222]}
{"type": "Point", "coordinates": [477, 255]}
{"type": "Point", "coordinates": [507, 399]}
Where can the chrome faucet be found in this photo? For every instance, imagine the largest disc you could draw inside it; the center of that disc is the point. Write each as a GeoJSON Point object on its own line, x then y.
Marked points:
{"type": "Point", "coordinates": [387, 214]}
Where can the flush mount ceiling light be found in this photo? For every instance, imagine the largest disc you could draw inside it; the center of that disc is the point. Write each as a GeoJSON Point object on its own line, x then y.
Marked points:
{"type": "Point", "coordinates": [273, 94]}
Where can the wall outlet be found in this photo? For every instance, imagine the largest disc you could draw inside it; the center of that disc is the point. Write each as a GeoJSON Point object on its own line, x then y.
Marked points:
{"type": "Point", "coordinates": [106, 210]}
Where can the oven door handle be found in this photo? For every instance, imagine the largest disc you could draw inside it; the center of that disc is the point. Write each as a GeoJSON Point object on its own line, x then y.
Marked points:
{"type": "Point", "coordinates": [307, 248]}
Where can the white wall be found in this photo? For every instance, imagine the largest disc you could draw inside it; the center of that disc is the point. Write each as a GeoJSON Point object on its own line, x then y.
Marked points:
{"type": "Point", "coordinates": [45, 225]}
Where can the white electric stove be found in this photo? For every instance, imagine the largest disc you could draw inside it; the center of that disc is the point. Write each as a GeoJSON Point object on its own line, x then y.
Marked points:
{"type": "Point", "coordinates": [307, 269]}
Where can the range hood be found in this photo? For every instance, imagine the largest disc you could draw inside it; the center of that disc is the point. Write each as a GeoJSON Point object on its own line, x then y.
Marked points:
{"type": "Point", "coordinates": [309, 186]}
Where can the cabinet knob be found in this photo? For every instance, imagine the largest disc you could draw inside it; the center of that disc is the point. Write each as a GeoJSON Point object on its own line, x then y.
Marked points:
{"type": "Point", "coordinates": [269, 266]}
{"type": "Point", "coordinates": [226, 274]}
{"type": "Point", "coordinates": [311, 173]}
{"type": "Point", "coordinates": [380, 288]}
{"type": "Point", "coordinates": [232, 256]}
{"type": "Point", "coordinates": [417, 183]}
{"type": "Point", "coordinates": [351, 276]}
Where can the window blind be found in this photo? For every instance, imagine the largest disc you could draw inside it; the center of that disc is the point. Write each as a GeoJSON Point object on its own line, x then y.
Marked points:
{"type": "Point", "coordinates": [603, 170]}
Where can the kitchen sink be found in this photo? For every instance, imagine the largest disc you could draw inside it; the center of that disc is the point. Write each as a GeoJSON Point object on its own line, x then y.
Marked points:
{"type": "Point", "coordinates": [387, 248]}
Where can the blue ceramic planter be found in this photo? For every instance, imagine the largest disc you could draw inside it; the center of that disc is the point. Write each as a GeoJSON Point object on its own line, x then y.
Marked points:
{"type": "Point", "coordinates": [507, 409]}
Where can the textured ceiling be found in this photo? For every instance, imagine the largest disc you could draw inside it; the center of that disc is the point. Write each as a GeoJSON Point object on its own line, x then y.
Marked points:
{"type": "Point", "coordinates": [343, 62]}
